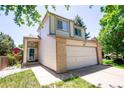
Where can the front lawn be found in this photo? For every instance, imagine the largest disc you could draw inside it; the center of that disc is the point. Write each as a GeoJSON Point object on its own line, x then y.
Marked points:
{"type": "Point", "coordinates": [25, 79]}
{"type": "Point", "coordinates": [74, 82]}
{"type": "Point", "coordinates": [111, 63]}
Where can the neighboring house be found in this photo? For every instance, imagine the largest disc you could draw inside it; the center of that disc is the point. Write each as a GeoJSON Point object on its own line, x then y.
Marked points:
{"type": "Point", "coordinates": [16, 50]}
{"type": "Point", "coordinates": [61, 45]}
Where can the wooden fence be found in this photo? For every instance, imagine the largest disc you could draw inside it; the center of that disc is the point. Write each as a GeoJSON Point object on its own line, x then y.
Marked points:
{"type": "Point", "coordinates": [3, 62]}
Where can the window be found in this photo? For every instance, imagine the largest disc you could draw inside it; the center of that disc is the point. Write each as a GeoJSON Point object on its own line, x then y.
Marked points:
{"type": "Point", "coordinates": [59, 24]}
{"type": "Point", "coordinates": [62, 25]}
{"type": "Point", "coordinates": [77, 32]}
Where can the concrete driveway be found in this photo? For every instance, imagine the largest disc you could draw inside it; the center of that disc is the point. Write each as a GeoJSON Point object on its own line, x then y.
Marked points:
{"type": "Point", "coordinates": [102, 76]}
{"type": "Point", "coordinates": [99, 75]}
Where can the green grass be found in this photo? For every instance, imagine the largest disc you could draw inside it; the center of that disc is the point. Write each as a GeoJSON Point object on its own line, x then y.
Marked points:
{"type": "Point", "coordinates": [119, 66]}
{"type": "Point", "coordinates": [18, 65]}
{"type": "Point", "coordinates": [24, 79]}
{"type": "Point", "coordinates": [111, 63]}
{"type": "Point", "coordinates": [107, 62]}
{"type": "Point", "coordinates": [74, 82]}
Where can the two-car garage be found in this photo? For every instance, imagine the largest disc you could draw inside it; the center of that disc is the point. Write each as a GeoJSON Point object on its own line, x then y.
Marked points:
{"type": "Point", "coordinates": [78, 56]}
{"type": "Point", "coordinates": [74, 54]}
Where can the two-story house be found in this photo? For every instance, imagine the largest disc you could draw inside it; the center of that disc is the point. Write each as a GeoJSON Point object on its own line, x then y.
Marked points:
{"type": "Point", "coordinates": [61, 45]}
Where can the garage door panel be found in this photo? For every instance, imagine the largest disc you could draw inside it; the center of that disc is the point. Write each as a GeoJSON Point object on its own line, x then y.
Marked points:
{"type": "Point", "coordinates": [71, 60]}
{"type": "Point", "coordinates": [79, 51]}
{"type": "Point", "coordinates": [80, 57]}
{"type": "Point", "coordinates": [77, 62]}
{"type": "Point", "coordinates": [87, 61]}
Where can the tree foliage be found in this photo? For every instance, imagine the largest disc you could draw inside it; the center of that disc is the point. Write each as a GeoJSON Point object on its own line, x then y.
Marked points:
{"type": "Point", "coordinates": [111, 35]}
{"type": "Point", "coordinates": [87, 35]}
{"type": "Point", "coordinates": [79, 22]}
{"type": "Point", "coordinates": [25, 14]}
{"type": "Point", "coordinates": [21, 46]}
{"type": "Point", "coordinates": [6, 44]}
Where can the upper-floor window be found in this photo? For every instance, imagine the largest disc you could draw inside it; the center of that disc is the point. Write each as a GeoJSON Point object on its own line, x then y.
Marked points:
{"type": "Point", "coordinates": [62, 25]}
{"type": "Point", "coordinates": [77, 32]}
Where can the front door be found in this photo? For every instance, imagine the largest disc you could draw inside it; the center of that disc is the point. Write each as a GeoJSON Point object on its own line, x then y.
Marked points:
{"type": "Point", "coordinates": [31, 54]}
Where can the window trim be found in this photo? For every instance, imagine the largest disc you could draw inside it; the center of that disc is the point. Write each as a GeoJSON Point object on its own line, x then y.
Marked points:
{"type": "Point", "coordinates": [59, 19]}
{"type": "Point", "coordinates": [35, 49]}
{"type": "Point", "coordinates": [80, 32]}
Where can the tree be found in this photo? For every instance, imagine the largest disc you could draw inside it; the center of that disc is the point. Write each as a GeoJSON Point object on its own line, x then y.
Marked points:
{"type": "Point", "coordinates": [111, 35]}
{"type": "Point", "coordinates": [25, 14]}
{"type": "Point", "coordinates": [87, 35]}
{"type": "Point", "coordinates": [79, 22]}
{"type": "Point", "coordinates": [6, 44]}
{"type": "Point", "coordinates": [20, 45]}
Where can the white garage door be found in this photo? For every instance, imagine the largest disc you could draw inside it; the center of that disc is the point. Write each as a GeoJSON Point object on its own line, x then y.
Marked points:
{"type": "Point", "coordinates": [78, 57]}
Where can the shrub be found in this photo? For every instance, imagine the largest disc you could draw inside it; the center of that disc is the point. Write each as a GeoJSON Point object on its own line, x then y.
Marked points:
{"type": "Point", "coordinates": [12, 60]}
{"type": "Point", "coordinates": [108, 57]}
{"type": "Point", "coordinates": [18, 57]}
{"type": "Point", "coordinates": [119, 61]}
{"type": "Point", "coordinates": [107, 62]}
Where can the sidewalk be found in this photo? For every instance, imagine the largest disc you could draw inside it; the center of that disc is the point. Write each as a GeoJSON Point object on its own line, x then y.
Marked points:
{"type": "Point", "coordinates": [43, 76]}
{"type": "Point", "coordinates": [10, 71]}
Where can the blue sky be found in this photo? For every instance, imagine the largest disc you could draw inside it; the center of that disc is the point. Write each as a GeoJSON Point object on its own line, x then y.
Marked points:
{"type": "Point", "coordinates": [90, 17]}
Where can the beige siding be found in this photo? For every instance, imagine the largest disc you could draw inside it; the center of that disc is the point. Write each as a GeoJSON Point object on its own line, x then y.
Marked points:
{"type": "Point", "coordinates": [70, 33]}
{"type": "Point", "coordinates": [81, 43]}
{"type": "Point", "coordinates": [62, 33]}
{"type": "Point", "coordinates": [78, 37]}
{"type": "Point", "coordinates": [61, 55]}
{"type": "Point", "coordinates": [99, 53]}
{"type": "Point", "coordinates": [71, 29]}
{"type": "Point", "coordinates": [52, 24]}
{"type": "Point", "coordinates": [25, 52]}
{"type": "Point", "coordinates": [83, 33]}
